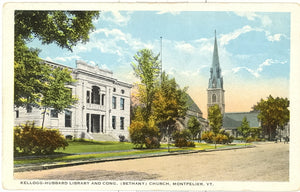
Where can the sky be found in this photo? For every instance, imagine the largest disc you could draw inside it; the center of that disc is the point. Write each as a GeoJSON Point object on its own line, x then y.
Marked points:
{"type": "Point", "coordinates": [254, 50]}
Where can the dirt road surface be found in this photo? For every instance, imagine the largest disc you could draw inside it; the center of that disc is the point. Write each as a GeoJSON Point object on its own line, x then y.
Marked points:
{"type": "Point", "coordinates": [265, 162]}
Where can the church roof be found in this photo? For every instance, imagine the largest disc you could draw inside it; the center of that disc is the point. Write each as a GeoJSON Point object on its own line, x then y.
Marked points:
{"type": "Point", "coordinates": [192, 106]}
{"type": "Point", "coordinates": [234, 120]}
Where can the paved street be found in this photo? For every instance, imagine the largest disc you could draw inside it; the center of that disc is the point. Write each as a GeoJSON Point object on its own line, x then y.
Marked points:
{"type": "Point", "coordinates": [265, 162]}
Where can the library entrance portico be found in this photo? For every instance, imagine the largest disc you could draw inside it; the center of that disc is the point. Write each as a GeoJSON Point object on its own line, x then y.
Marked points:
{"type": "Point", "coordinates": [95, 123]}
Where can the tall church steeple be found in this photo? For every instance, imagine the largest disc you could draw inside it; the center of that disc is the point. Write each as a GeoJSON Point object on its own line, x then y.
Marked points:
{"type": "Point", "coordinates": [215, 91]}
{"type": "Point", "coordinates": [215, 80]}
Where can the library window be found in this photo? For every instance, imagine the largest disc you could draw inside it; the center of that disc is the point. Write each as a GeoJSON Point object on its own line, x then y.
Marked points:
{"type": "Point", "coordinates": [68, 118]}
{"type": "Point", "coordinates": [96, 95]}
{"type": "Point", "coordinates": [122, 102]}
{"type": "Point", "coordinates": [54, 113]}
{"type": "Point", "coordinates": [114, 122]}
{"type": "Point", "coordinates": [88, 96]}
{"type": "Point", "coordinates": [114, 102]}
{"type": "Point", "coordinates": [122, 123]}
{"type": "Point", "coordinates": [103, 98]}
{"type": "Point", "coordinates": [29, 109]}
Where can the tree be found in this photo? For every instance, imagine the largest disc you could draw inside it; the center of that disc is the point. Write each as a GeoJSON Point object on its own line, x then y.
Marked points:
{"type": "Point", "coordinates": [55, 94]}
{"type": "Point", "coordinates": [215, 118]}
{"type": "Point", "coordinates": [194, 126]}
{"type": "Point", "coordinates": [244, 129]}
{"type": "Point", "coordinates": [64, 28]}
{"type": "Point", "coordinates": [29, 75]}
{"type": "Point", "coordinates": [273, 113]}
{"type": "Point", "coordinates": [169, 104]}
{"type": "Point", "coordinates": [147, 69]}
{"type": "Point", "coordinates": [144, 132]}
{"type": "Point", "coordinates": [143, 129]}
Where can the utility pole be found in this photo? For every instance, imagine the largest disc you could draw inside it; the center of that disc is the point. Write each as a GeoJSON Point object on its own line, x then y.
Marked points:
{"type": "Point", "coordinates": [161, 57]}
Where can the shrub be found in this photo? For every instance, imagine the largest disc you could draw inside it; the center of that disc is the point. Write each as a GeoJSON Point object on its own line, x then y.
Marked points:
{"type": "Point", "coordinates": [190, 144]}
{"type": "Point", "coordinates": [208, 136]}
{"type": "Point", "coordinates": [29, 139]}
{"type": "Point", "coordinates": [221, 139]}
{"type": "Point", "coordinates": [152, 143]}
{"type": "Point", "coordinates": [249, 139]}
{"type": "Point", "coordinates": [144, 133]}
{"type": "Point", "coordinates": [121, 138]}
{"type": "Point", "coordinates": [182, 138]}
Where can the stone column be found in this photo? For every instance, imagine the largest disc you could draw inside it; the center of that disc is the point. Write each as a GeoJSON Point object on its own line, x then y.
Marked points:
{"type": "Point", "coordinates": [107, 110]}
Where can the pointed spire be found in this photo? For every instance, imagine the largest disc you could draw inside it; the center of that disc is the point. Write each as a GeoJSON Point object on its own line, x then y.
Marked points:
{"type": "Point", "coordinates": [215, 53]}
{"type": "Point", "coordinates": [216, 80]}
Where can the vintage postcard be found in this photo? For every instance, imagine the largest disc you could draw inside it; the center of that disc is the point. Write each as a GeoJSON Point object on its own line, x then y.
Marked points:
{"type": "Point", "coordinates": [151, 96]}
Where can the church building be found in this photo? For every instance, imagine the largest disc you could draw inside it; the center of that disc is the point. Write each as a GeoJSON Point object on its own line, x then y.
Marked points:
{"type": "Point", "coordinates": [215, 95]}
{"type": "Point", "coordinates": [101, 113]}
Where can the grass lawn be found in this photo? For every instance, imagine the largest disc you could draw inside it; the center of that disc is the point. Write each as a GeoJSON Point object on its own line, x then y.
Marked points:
{"type": "Point", "coordinates": [95, 146]}
{"type": "Point", "coordinates": [112, 149]}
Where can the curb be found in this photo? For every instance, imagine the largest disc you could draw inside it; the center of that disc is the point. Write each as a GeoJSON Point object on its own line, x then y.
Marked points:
{"type": "Point", "coordinates": [74, 163]}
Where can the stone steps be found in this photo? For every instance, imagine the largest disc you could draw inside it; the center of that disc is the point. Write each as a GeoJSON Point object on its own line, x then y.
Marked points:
{"type": "Point", "coordinates": [103, 137]}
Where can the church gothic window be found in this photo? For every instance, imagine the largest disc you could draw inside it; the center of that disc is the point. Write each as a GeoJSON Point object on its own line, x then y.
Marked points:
{"type": "Point", "coordinates": [214, 98]}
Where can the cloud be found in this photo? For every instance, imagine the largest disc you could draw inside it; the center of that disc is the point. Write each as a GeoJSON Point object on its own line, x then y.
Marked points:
{"type": "Point", "coordinates": [257, 72]}
{"type": "Point", "coordinates": [276, 37]}
{"type": "Point", "coordinates": [252, 16]}
{"type": "Point", "coordinates": [116, 17]}
{"type": "Point", "coordinates": [249, 15]}
{"type": "Point", "coordinates": [185, 47]}
{"type": "Point", "coordinates": [168, 12]}
{"type": "Point", "coordinates": [226, 38]}
{"type": "Point", "coordinates": [251, 71]}
{"type": "Point", "coordinates": [113, 41]}
{"type": "Point", "coordinates": [48, 59]}
{"type": "Point", "coordinates": [63, 59]}
{"type": "Point", "coordinates": [101, 66]}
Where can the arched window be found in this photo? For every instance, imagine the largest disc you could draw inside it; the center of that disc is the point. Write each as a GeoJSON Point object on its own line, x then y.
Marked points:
{"type": "Point", "coordinates": [95, 95]}
{"type": "Point", "coordinates": [214, 98]}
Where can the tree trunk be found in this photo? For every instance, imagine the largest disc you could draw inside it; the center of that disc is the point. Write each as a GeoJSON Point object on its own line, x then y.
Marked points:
{"type": "Point", "coordinates": [44, 118]}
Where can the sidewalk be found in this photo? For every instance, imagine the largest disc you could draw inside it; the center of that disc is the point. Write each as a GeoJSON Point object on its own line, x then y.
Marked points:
{"type": "Point", "coordinates": [36, 167]}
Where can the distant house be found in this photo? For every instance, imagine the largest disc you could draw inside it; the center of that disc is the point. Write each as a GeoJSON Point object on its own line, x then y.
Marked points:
{"type": "Point", "coordinates": [231, 121]}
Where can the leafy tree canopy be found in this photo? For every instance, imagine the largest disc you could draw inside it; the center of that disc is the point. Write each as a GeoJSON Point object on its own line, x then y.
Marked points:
{"type": "Point", "coordinates": [273, 113]}
{"type": "Point", "coordinates": [215, 118]}
{"type": "Point", "coordinates": [64, 28]}
{"type": "Point", "coordinates": [194, 126]}
{"type": "Point", "coordinates": [147, 69]}
{"type": "Point", "coordinates": [244, 129]}
{"type": "Point", "coordinates": [56, 94]}
{"type": "Point", "coordinates": [170, 102]}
